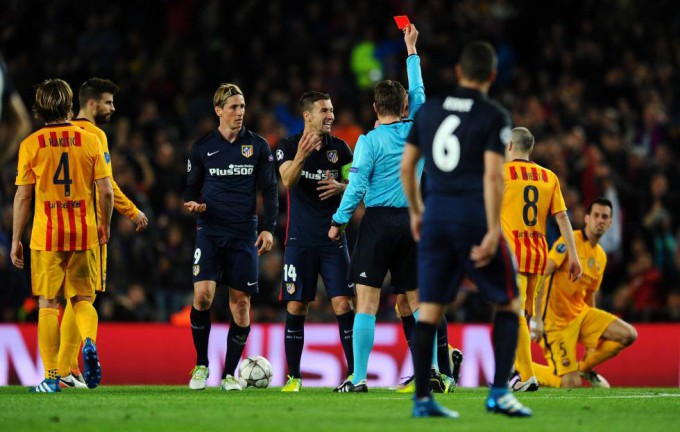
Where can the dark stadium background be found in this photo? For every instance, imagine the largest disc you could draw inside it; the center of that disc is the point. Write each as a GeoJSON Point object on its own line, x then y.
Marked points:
{"type": "Point", "coordinates": [596, 82]}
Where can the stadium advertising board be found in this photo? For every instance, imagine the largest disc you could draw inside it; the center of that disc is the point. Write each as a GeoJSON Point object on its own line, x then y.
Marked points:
{"type": "Point", "coordinates": [164, 354]}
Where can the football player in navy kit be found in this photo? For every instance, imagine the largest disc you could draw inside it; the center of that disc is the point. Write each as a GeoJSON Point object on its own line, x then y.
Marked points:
{"type": "Point", "coordinates": [223, 171]}
{"type": "Point", "coordinates": [462, 137]}
{"type": "Point", "coordinates": [313, 166]}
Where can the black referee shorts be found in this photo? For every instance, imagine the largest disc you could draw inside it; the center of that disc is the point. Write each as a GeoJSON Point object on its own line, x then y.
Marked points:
{"type": "Point", "coordinates": [385, 243]}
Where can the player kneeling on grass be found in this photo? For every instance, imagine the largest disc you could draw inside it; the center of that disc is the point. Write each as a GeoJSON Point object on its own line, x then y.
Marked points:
{"type": "Point", "coordinates": [570, 316]}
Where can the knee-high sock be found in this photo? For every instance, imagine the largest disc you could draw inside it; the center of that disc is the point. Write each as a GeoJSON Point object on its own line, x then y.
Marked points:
{"type": "Point", "coordinates": [605, 351]}
{"type": "Point", "coordinates": [362, 344]}
{"type": "Point", "coordinates": [294, 343]}
{"type": "Point", "coordinates": [236, 343]}
{"type": "Point", "coordinates": [69, 342]}
{"type": "Point", "coordinates": [422, 357]}
{"type": "Point", "coordinates": [200, 332]}
{"type": "Point", "coordinates": [443, 359]}
{"type": "Point", "coordinates": [86, 319]}
{"type": "Point", "coordinates": [408, 323]}
{"type": "Point", "coordinates": [504, 338]}
{"type": "Point", "coordinates": [434, 364]}
{"type": "Point", "coordinates": [523, 363]}
{"type": "Point", "coordinates": [48, 340]}
{"type": "Point", "coordinates": [346, 328]}
{"type": "Point", "coordinates": [545, 376]}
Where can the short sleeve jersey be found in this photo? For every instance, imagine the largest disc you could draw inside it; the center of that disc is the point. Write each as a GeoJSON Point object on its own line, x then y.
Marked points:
{"type": "Point", "coordinates": [453, 132]}
{"type": "Point", "coordinates": [63, 161]}
{"type": "Point", "coordinates": [565, 299]}
{"type": "Point", "coordinates": [532, 193]}
{"type": "Point", "coordinates": [308, 216]}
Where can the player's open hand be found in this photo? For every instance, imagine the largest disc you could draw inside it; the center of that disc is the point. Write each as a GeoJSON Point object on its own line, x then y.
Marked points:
{"type": "Point", "coordinates": [330, 187]}
{"type": "Point", "coordinates": [483, 253]}
{"type": "Point", "coordinates": [194, 207]}
{"type": "Point", "coordinates": [309, 142]}
{"type": "Point", "coordinates": [17, 254]}
{"type": "Point", "coordinates": [104, 232]}
{"type": "Point", "coordinates": [264, 242]}
{"type": "Point", "coordinates": [141, 221]}
{"type": "Point", "coordinates": [575, 270]}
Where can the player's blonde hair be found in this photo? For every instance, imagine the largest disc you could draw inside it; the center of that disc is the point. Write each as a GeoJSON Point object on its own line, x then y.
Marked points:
{"type": "Point", "coordinates": [53, 101]}
{"type": "Point", "coordinates": [224, 92]}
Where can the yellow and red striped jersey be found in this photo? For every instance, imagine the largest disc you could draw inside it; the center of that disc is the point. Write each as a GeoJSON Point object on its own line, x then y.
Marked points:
{"type": "Point", "coordinates": [120, 202]}
{"type": "Point", "coordinates": [63, 161]}
{"type": "Point", "coordinates": [564, 299]}
{"type": "Point", "coordinates": [531, 194]}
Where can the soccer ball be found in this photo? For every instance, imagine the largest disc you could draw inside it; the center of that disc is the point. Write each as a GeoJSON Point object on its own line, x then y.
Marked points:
{"type": "Point", "coordinates": [255, 371]}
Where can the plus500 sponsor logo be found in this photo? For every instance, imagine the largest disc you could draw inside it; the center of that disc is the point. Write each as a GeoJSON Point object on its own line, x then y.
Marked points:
{"type": "Point", "coordinates": [319, 174]}
{"type": "Point", "coordinates": [232, 170]}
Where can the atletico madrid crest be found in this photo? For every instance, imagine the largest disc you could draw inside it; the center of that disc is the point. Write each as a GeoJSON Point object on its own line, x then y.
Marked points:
{"type": "Point", "coordinates": [247, 150]}
{"type": "Point", "coordinates": [332, 156]}
{"type": "Point", "coordinates": [290, 287]}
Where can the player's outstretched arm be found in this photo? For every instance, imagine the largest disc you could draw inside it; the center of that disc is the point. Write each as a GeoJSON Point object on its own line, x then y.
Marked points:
{"type": "Point", "coordinates": [409, 182]}
{"type": "Point", "coordinates": [575, 270]}
{"type": "Point", "coordinates": [483, 253]}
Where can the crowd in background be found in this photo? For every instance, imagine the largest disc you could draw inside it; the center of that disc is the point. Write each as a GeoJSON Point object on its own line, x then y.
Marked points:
{"type": "Point", "coordinates": [597, 82]}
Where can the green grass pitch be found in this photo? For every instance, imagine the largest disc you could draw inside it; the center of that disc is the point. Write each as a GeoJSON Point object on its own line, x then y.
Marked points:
{"type": "Point", "coordinates": [171, 408]}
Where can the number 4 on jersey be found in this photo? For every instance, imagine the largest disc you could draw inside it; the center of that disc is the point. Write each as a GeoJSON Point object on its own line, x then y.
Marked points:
{"type": "Point", "coordinates": [66, 180]}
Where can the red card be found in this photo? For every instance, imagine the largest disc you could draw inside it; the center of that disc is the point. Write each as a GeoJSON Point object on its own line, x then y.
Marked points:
{"type": "Point", "coordinates": [402, 21]}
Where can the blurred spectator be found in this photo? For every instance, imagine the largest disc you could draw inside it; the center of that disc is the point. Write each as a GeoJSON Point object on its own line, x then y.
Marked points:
{"type": "Point", "coordinates": [132, 306]}
{"type": "Point", "coordinates": [346, 128]}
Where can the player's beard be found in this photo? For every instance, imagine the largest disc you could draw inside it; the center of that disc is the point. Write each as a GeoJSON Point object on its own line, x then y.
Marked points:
{"type": "Point", "coordinates": [101, 119]}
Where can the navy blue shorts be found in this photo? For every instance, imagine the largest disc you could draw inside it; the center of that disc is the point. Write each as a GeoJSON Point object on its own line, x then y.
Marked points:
{"type": "Point", "coordinates": [226, 260]}
{"type": "Point", "coordinates": [302, 266]}
{"type": "Point", "coordinates": [385, 243]}
{"type": "Point", "coordinates": [443, 260]}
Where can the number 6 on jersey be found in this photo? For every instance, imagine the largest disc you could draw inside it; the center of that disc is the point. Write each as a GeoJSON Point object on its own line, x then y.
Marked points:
{"type": "Point", "coordinates": [445, 146]}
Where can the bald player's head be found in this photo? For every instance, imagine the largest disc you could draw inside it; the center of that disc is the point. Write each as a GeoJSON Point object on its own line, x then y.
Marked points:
{"type": "Point", "coordinates": [522, 140]}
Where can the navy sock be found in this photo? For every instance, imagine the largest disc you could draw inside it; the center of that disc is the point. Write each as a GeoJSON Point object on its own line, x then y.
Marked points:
{"type": "Point", "coordinates": [236, 342]}
{"type": "Point", "coordinates": [443, 360]}
{"type": "Point", "coordinates": [345, 327]}
{"type": "Point", "coordinates": [505, 332]}
{"type": "Point", "coordinates": [294, 343]}
{"type": "Point", "coordinates": [200, 331]}
{"type": "Point", "coordinates": [408, 323]}
{"type": "Point", "coordinates": [422, 357]}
